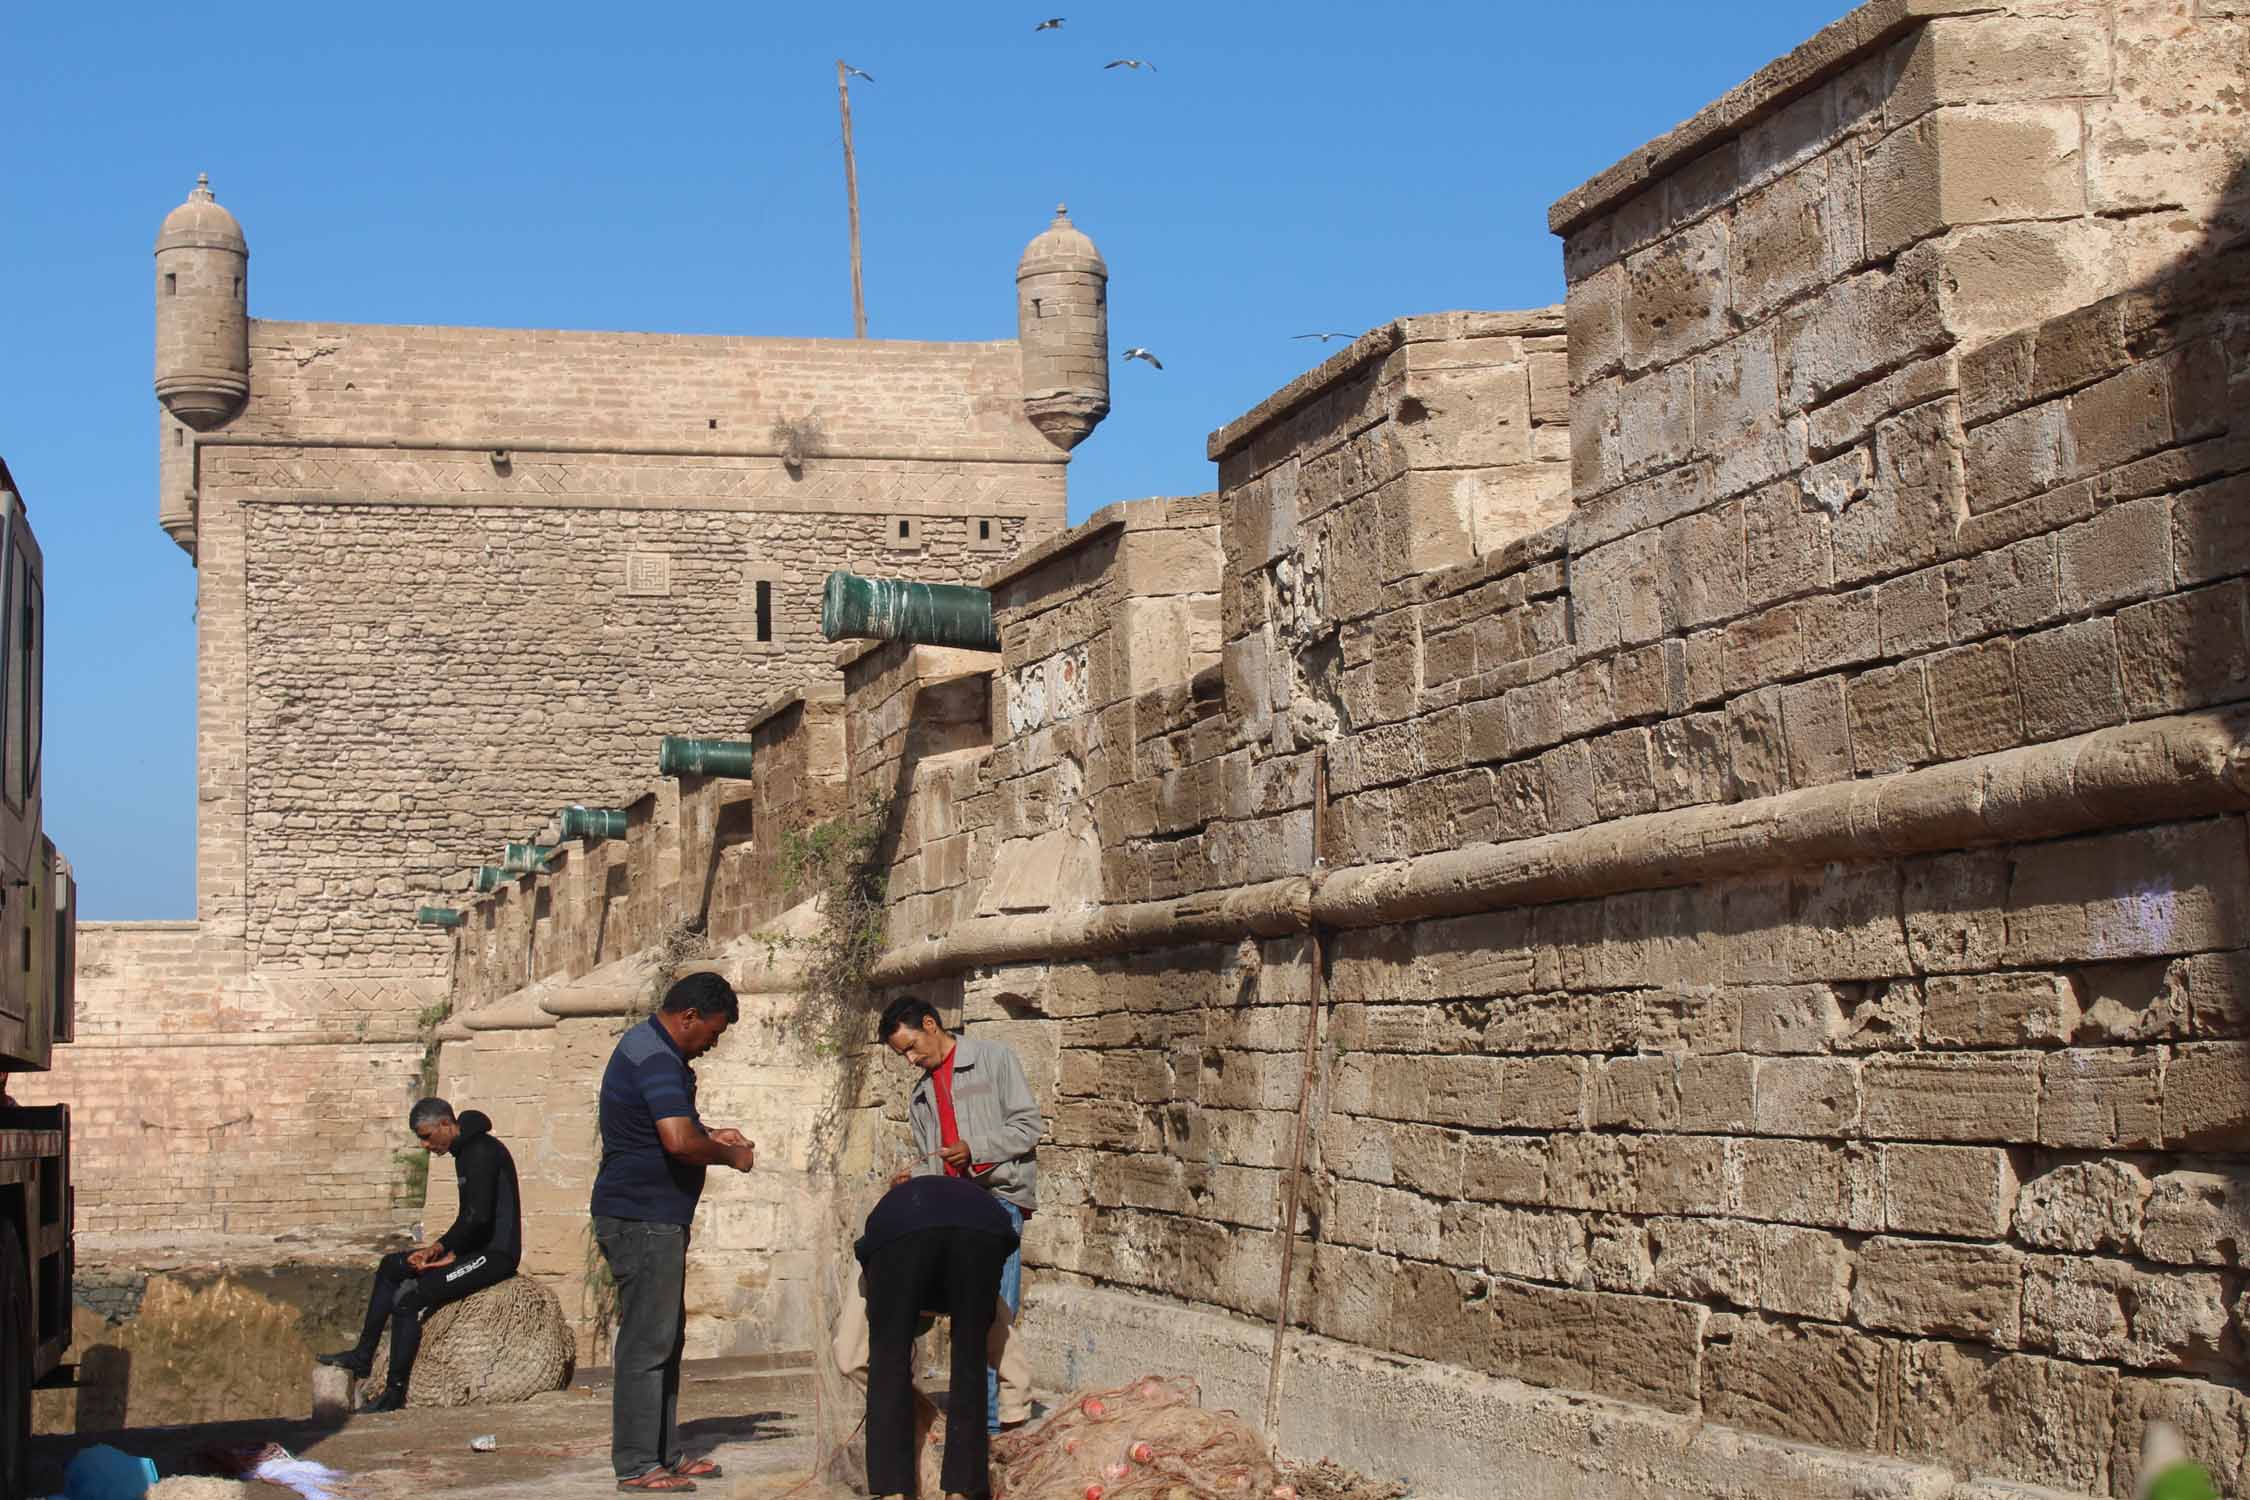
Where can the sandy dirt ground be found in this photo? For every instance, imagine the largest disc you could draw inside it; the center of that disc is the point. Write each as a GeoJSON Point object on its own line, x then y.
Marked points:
{"type": "Point", "coordinates": [757, 1424]}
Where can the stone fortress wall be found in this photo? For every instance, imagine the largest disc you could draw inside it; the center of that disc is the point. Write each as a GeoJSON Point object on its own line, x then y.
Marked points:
{"type": "Point", "coordinates": [451, 580]}
{"type": "Point", "coordinates": [1746, 963]}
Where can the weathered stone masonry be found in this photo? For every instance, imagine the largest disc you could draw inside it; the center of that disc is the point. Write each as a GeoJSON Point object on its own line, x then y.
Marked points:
{"type": "Point", "coordinates": [449, 581]}
{"type": "Point", "coordinates": [1779, 933]}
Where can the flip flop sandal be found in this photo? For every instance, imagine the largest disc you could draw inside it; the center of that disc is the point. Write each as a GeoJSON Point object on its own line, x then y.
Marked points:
{"type": "Point", "coordinates": [698, 1468]}
{"type": "Point", "coordinates": [657, 1482]}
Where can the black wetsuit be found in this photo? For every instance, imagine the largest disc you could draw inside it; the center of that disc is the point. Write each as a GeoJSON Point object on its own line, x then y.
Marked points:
{"type": "Point", "coordinates": [486, 1241]}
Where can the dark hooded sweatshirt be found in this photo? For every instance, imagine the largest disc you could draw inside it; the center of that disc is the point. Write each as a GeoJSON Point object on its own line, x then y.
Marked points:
{"type": "Point", "coordinates": [491, 1218]}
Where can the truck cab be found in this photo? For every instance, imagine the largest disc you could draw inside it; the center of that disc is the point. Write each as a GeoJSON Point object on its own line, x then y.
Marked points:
{"type": "Point", "coordinates": [38, 961]}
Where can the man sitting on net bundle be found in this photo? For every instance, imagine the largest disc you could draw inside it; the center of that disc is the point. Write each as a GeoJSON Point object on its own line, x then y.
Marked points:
{"type": "Point", "coordinates": [479, 1251]}
{"type": "Point", "coordinates": [932, 1245]}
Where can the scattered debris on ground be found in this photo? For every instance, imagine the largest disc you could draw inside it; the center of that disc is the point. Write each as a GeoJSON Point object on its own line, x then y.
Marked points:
{"type": "Point", "coordinates": [1329, 1480]}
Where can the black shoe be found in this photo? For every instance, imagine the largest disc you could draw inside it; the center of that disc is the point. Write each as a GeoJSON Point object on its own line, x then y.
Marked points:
{"type": "Point", "coordinates": [392, 1399]}
{"type": "Point", "coordinates": [354, 1360]}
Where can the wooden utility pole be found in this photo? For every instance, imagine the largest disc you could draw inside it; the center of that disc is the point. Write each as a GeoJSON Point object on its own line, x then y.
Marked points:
{"type": "Point", "coordinates": [851, 190]}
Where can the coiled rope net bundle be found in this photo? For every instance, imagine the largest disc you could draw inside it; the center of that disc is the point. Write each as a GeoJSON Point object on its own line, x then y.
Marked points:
{"type": "Point", "coordinates": [1147, 1439]}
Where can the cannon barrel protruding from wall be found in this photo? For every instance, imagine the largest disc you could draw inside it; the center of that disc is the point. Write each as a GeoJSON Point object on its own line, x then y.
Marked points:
{"type": "Point", "coordinates": [518, 859]}
{"type": "Point", "coordinates": [581, 822]}
{"type": "Point", "coordinates": [681, 755]}
{"type": "Point", "coordinates": [492, 877]}
{"type": "Point", "coordinates": [439, 916]}
{"type": "Point", "coordinates": [853, 608]}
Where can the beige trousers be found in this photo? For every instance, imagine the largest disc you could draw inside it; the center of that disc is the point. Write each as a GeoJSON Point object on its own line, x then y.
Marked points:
{"type": "Point", "coordinates": [1003, 1353]}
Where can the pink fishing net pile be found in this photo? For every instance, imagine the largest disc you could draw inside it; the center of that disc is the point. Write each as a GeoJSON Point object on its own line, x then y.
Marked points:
{"type": "Point", "coordinates": [1144, 1441]}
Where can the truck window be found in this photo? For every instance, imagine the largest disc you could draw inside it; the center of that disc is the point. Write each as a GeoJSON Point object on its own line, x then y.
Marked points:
{"type": "Point", "coordinates": [32, 661]}
{"type": "Point", "coordinates": [11, 678]}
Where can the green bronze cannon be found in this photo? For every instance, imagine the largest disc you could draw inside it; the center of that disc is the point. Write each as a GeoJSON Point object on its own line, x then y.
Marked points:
{"type": "Point", "coordinates": [853, 608]}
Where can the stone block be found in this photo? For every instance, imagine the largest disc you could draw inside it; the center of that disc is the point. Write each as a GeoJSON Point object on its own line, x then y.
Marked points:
{"type": "Point", "coordinates": [1542, 1335]}
{"type": "Point", "coordinates": [2024, 453]}
{"type": "Point", "coordinates": [1736, 393]}
{"type": "Point", "coordinates": [2068, 680]}
{"type": "Point", "coordinates": [1952, 1097]}
{"type": "Point", "coordinates": [2111, 1312]}
{"type": "Point", "coordinates": [1647, 1349]}
{"type": "Point", "coordinates": [1912, 613]}
{"type": "Point", "coordinates": [1716, 1094]}
{"type": "Point", "coordinates": [1594, 321]}
{"type": "Point", "coordinates": [2022, 1417]}
{"type": "Point", "coordinates": [2114, 421]}
{"type": "Point", "coordinates": [1806, 1096]}
{"type": "Point", "coordinates": [2197, 1216]}
{"type": "Point", "coordinates": [1532, 1245]}
{"type": "Point", "coordinates": [1785, 545]}
{"type": "Point", "coordinates": [1974, 707]}
{"type": "Point", "coordinates": [1998, 59]}
{"type": "Point", "coordinates": [1823, 1184]}
{"type": "Point", "coordinates": [1928, 1287]}
{"type": "Point", "coordinates": [1757, 755]}
{"type": "Point", "coordinates": [1702, 560]}
{"type": "Point", "coordinates": [1655, 421]}
{"type": "Point", "coordinates": [1857, 327]}
{"type": "Point", "coordinates": [1638, 1093]}
{"type": "Point", "coordinates": [1956, 911]}
{"type": "Point", "coordinates": [1999, 278]}
{"type": "Point", "coordinates": [1888, 712]}
{"type": "Point", "coordinates": [1790, 1018]}
{"type": "Point", "coordinates": [1794, 235]}
{"type": "Point", "coordinates": [2165, 133]}
{"type": "Point", "coordinates": [1676, 295]}
{"type": "Point", "coordinates": [2207, 1097]}
{"type": "Point", "coordinates": [2101, 1097]}
{"type": "Point", "coordinates": [2208, 539]}
{"type": "Point", "coordinates": [1998, 1010]}
{"type": "Point", "coordinates": [1815, 727]}
{"type": "Point", "coordinates": [1504, 1169]}
{"type": "Point", "coordinates": [1964, 1191]}
{"type": "Point", "coordinates": [2142, 892]}
{"type": "Point", "coordinates": [1807, 1382]}
{"type": "Point", "coordinates": [2009, 588]}
{"type": "Point", "coordinates": [2090, 1205]}
{"type": "Point", "coordinates": [1915, 497]}
{"type": "Point", "coordinates": [1972, 165]}
{"type": "Point", "coordinates": [2185, 651]}
{"type": "Point", "coordinates": [2122, 554]}
{"type": "Point", "coordinates": [1689, 760]}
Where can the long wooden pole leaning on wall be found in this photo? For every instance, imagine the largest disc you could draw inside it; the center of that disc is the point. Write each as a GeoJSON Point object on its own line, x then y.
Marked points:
{"type": "Point", "coordinates": [851, 191]}
{"type": "Point", "coordinates": [1316, 995]}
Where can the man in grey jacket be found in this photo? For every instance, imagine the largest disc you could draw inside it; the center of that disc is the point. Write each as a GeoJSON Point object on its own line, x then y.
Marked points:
{"type": "Point", "coordinates": [973, 1116]}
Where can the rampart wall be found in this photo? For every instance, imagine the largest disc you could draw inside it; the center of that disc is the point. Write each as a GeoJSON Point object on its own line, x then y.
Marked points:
{"type": "Point", "coordinates": [451, 580]}
{"type": "Point", "coordinates": [1740, 990]}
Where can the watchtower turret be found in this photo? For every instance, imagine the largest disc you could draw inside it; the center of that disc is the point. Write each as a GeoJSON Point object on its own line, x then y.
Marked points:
{"type": "Point", "coordinates": [202, 311]}
{"type": "Point", "coordinates": [1062, 321]}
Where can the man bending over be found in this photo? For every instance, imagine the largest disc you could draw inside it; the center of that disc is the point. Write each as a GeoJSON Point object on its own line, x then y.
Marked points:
{"type": "Point", "coordinates": [480, 1250]}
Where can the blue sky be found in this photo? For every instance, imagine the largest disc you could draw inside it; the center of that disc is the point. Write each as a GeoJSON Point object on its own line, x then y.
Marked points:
{"type": "Point", "coordinates": [1286, 167]}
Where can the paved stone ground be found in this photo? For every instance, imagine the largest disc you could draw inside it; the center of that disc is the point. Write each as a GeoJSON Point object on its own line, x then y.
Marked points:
{"type": "Point", "coordinates": [757, 1423]}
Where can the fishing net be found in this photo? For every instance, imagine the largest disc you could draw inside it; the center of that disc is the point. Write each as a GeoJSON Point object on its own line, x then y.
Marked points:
{"type": "Point", "coordinates": [1148, 1439]}
{"type": "Point", "coordinates": [505, 1343]}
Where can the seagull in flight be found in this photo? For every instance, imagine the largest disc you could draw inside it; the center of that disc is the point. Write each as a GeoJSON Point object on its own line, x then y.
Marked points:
{"type": "Point", "coordinates": [1052, 23]}
{"type": "Point", "coordinates": [858, 72]}
{"type": "Point", "coordinates": [1129, 62]}
{"type": "Point", "coordinates": [1324, 337]}
{"type": "Point", "coordinates": [1137, 352]}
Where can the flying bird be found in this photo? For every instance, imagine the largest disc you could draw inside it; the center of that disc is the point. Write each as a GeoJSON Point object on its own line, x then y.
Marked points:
{"type": "Point", "coordinates": [1052, 23]}
{"type": "Point", "coordinates": [1129, 62]}
{"type": "Point", "coordinates": [1137, 352]}
{"type": "Point", "coordinates": [859, 73]}
{"type": "Point", "coordinates": [1324, 337]}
